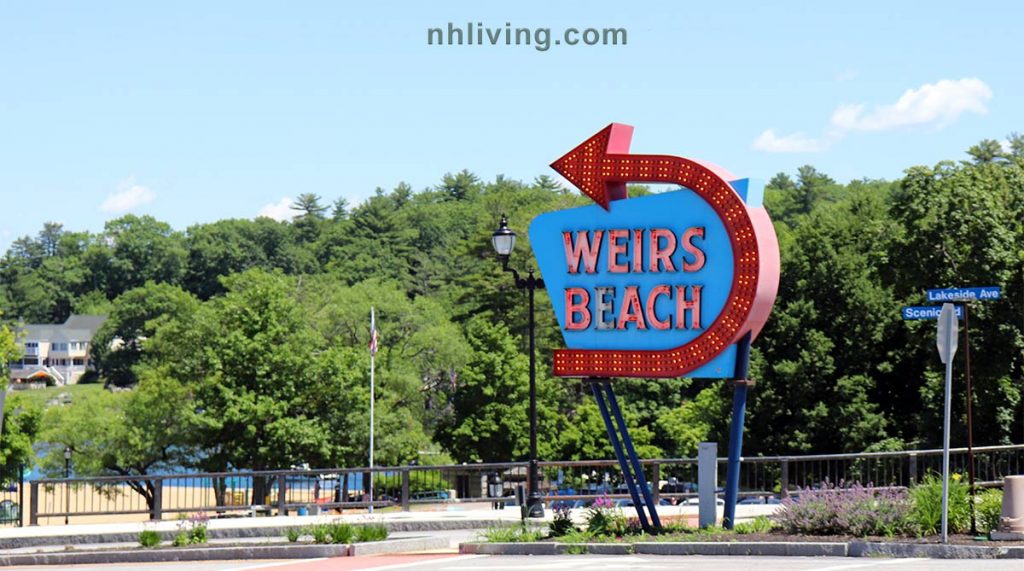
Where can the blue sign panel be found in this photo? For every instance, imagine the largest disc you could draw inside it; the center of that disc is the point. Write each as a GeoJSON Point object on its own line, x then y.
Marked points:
{"type": "Point", "coordinates": [985, 293]}
{"type": "Point", "coordinates": [928, 312]}
{"type": "Point", "coordinates": [650, 273]}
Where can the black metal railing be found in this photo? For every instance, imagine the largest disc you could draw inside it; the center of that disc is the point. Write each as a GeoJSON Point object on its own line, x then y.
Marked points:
{"type": "Point", "coordinates": [405, 487]}
{"type": "Point", "coordinates": [12, 495]}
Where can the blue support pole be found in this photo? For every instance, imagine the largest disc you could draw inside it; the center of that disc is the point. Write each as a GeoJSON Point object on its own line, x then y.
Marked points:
{"type": "Point", "coordinates": [739, 410]}
{"type": "Point", "coordinates": [641, 478]}
{"type": "Point", "coordinates": [595, 386]}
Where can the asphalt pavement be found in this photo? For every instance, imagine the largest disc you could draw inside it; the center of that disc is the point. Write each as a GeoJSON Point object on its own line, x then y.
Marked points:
{"type": "Point", "coordinates": [453, 562]}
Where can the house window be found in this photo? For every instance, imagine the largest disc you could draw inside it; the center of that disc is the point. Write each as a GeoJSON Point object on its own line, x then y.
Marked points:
{"type": "Point", "coordinates": [16, 364]}
{"type": "Point", "coordinates": [78, 361]}
{"type": "Point", "coordinates": [31, 360]}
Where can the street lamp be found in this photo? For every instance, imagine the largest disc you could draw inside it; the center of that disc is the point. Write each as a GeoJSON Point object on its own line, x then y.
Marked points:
{"type": "Point", "coordinates": [504, 240]}
{"type": "Point", "coordinates": [67, 484]}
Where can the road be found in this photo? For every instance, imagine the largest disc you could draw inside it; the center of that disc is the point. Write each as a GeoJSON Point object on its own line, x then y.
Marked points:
{"type": "Point", "coordinates": [453, 562]}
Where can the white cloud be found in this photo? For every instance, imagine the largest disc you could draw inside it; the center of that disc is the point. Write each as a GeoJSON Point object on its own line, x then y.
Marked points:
{"type": "Point", "coordinates": [769, 142]}
{"type": "Point", "coordinates": [939, 104]}
{"type": "Point", "coordinates": [280, 210]}
{"type": "Point", "coordinates": [1005, 145]}
{"type": "Point", "coordinates": [127, 197]}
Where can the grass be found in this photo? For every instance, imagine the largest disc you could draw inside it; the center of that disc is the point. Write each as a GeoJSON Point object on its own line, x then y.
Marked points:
{"type": "Point", "coordinates": [149, 538]}
{"type": "Point", "coordinates": [512, 534]}
{"type": "Point", "coordinates": [340, 532]}
{"type": "Point", "coordinates": [39, 397]}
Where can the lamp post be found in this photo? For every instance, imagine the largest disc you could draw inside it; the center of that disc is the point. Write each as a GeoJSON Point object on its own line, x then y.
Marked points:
{"type": "Point", "coordinates": [504, 239]}
{"type": "Point", "coordinates": [67, 484]}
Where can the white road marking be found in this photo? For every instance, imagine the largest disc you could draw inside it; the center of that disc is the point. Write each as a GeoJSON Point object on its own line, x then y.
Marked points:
{"type": "Point", "coordinates": [616, 562]}
{"type": "Point", "coordinates": [871, 564]}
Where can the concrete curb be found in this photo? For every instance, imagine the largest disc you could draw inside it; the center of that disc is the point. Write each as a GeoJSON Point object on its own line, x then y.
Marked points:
{"type": "Point", "coordinates": [546, 548]}
{"type": "Point", "coordinates": [760, 548]}
{"type": "Point", "coordinates": [228, 533]}
{"type": "Point", "coordinates": [209, 553]}
{"type": "Point", "coordinates": [404, 545]}
{"type": "Point", "coordinates": [176, 554]}
{"type": "Point", "coordinates": [874, 549]}
{"type": "Point", "coordinates": [766, 548]}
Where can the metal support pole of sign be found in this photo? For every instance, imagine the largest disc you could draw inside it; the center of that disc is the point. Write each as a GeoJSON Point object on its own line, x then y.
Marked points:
{"type": "Point", "coordinates": [945, 427]}
{"type": "Point", "coordinates": [638, 471]}
{"type": "Point", "coordinates": [595, 387]}
{"type": "Point", "coordinates": [970, 420]}
{"type": "Point", "coordinates": [739, 410]}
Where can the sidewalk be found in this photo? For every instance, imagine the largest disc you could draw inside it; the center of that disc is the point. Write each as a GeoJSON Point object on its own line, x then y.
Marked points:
{"type": "Point", "coordinates": [454, 517]}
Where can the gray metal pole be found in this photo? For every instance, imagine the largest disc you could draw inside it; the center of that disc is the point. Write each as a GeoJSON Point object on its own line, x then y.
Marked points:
{"type": "Point", "coordinates": [373, 325]}
{"type": "Point", "coordinates": [945, 437]}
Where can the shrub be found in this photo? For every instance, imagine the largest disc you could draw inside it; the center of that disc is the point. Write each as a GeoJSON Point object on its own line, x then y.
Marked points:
{"type": "Point", "coordinates": [149, 538]}
{"type": "Point", "coordinates": [854, 510]}
{"type": "Point", "coordinates": [191, 531]}
{"type": "Point", "coordinates": [989, 507]}
{"type": "Point", "coordinates": [511, 534]}
{"type": "Point", "coordinates": [561, 523]}
{"type": "Point", "coordinates": [760, 524]}
{"type": "Point", "coordinates": [371, 532]}
{"type": "Point", "coordinates": [603, 518]}
{"type": "Point", "coordinates": [926, 497]}
{"type": "Point", "coordinates": [340, 532]}
{"type": "Point", "coordinates": [320, 534]}
{"type": "Point", "coordinates": [197, 535]}
{"type": "Point", "coordinates": [293, 535]}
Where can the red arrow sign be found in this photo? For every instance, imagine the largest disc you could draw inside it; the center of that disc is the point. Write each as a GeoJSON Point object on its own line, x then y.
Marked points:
{"type": "Point", "coordinates": [600, 168]}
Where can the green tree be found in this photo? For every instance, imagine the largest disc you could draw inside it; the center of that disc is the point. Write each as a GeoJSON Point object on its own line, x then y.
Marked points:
{"type": "Point", "coordinates": [258, 372]}
{"type": "Point", "coordinates": [131, 433]}
{"type": "Point", "coordinates": [488, 420]}
{"type": "Point", "coordinates": [135, 317]}
{"type": "Point", "coordinates": [132, 251]}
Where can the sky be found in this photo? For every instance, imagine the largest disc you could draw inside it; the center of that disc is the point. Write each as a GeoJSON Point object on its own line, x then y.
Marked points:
{"type": "Point", "coordinates": [198, 111]}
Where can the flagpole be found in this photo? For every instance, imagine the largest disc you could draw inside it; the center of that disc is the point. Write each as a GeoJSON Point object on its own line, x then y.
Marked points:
{"type": "Point", "coordinates": [373, 350]}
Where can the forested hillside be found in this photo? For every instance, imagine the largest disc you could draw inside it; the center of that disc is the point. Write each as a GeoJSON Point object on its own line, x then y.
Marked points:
{"type": "Point", "coordinates": [245, 341]}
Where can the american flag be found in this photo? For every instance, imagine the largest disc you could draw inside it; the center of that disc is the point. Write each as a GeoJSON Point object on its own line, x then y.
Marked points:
{"type": "Point", "coordinates": [373, 333]}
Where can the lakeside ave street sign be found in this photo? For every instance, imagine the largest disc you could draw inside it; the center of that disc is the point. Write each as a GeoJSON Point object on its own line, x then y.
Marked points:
{"type": "Point", "coordinates": [965, 294]}
{"type": "Point", "coordinates": [663, 285]}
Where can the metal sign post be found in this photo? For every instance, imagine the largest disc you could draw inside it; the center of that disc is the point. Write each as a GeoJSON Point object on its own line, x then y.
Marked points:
{"type": "Point", "coordinates": [968, 295]}
{"type": "Point", "coordinates": [946, 341]}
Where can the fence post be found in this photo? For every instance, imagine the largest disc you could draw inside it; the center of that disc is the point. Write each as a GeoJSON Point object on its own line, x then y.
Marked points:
{"type": "Point", "coordinates": [33, 503]}
{"type": "Point", "coordinates": [21, 495]}
{"type": "Point", "coordinates": [655, 484]}
{"type": "Point", "coordinates": [157, 511]}
{"type": "Point", "coordinates": [913, 467]}
{"type": "Point", "coordinates": [282, 492]}
{"type": "Point", "coordinates": [405, 490]}
{"type": "Point", "coordinates": [784, 478]}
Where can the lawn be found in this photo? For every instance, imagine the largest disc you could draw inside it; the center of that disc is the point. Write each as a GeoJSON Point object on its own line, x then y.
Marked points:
{"type": "Point", "coordinates": [77, 393]}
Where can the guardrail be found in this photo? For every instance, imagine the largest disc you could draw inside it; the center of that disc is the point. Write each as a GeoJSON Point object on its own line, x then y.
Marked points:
{"type": "Point", "coordinates": [304, 491]}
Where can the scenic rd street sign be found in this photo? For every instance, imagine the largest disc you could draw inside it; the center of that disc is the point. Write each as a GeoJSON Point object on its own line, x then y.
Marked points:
{"type": "Point", "coordinates": [916, 312]}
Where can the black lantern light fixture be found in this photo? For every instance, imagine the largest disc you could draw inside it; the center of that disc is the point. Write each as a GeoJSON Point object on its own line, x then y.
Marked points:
{"type": "Point", "coordinates": [504, 240]}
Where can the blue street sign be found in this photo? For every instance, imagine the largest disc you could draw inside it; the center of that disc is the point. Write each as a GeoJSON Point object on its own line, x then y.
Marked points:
{"type": "Point", "coordinates": [985, 293]}
{"type": "Point", "coordinates": [928, 312]}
